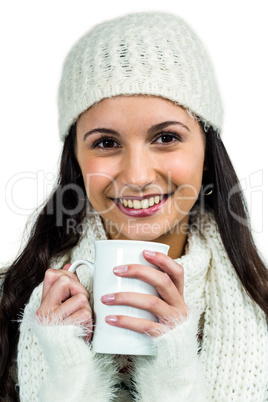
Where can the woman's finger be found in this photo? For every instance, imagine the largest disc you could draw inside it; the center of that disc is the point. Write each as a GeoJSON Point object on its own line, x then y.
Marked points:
{"type": "Point", "coordinates": [168, 265]}
{"type": "Point", "coordinates": [64, 287]}
{"type": "Point", "coordinates": [153, 304]}
{"type": "Point", "coordinates": [159, 279]}
{"type": "Point", "coordinates": [71, 306]}
{"type": "Point", "coordinates": [135, 324]}
{"type": "Point", "coordinates": [51, 276]}
{"type": "Point", "coordinates": [66, 267]}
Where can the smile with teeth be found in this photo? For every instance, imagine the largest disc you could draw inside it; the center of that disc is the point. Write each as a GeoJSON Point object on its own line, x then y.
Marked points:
{"type": "Point", "coordinates": [141, 204]}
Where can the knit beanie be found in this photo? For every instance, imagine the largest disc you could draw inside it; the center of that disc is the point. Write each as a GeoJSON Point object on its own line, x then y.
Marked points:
{"type": "Point", "coordinates": [149, 53]}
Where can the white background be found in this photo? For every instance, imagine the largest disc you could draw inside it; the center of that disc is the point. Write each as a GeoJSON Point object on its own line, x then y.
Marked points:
{"type": "Point", "coordinates": [35, 37]}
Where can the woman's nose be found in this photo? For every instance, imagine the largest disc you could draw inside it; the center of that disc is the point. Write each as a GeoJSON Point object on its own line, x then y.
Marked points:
{"type": "Point", "coordinates": [137, 170]}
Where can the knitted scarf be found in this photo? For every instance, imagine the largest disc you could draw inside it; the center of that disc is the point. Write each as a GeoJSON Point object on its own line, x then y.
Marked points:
{"type": "Point", "coordinates": [234, 329]}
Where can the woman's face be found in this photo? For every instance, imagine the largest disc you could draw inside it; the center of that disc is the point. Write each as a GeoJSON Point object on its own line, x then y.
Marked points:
{"type": "Point", "coordinates": [142, 163]}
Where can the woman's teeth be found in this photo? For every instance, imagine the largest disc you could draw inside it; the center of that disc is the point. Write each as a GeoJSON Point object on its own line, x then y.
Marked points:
{"type": "Point", "coordinates": [142, 204]}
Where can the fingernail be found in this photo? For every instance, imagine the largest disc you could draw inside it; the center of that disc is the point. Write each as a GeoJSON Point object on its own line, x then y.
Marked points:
{"type": "Point", "coordinates": [149, 253]}
{"type": "Point", "coordinates": [110, 318]}
{"type": "Point", "coordinates": [121, 269]}
{"type": "Point", "coordinates": [107, 298]}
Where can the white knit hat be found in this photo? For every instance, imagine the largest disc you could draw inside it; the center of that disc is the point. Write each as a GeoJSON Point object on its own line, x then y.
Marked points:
{"type": "Point", "coordinates": [150, 53]}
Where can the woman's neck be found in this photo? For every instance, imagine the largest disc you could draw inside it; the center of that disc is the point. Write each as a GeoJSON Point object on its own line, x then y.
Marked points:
{"type": "Point", "coordinates": [176, 238]}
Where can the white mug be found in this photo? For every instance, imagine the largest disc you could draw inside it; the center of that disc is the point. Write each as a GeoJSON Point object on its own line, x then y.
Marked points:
{"type": "Point", "coordinates": [109, 254]}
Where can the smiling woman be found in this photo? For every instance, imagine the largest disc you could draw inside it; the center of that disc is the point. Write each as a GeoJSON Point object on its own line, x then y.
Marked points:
{"type": "Point", "coordinates": [141, 120]}
{"type": "Point", "coordinates": [145, 161]}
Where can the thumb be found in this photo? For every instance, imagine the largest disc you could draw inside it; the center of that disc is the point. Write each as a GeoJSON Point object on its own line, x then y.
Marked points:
{"type": "Point", "coordinates": [66, 267]}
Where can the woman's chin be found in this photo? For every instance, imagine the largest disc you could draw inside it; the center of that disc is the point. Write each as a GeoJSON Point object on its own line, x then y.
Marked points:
{"type": "Point", "coordinates": [137, 232]}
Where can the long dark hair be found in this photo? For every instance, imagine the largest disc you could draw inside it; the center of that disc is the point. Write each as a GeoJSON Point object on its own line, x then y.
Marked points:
{"type": "Point", "coordinates": [50, 238]}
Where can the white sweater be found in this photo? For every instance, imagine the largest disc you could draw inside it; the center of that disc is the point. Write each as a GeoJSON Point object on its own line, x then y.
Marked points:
{"type": "Point", "coordinates": [228, 363]}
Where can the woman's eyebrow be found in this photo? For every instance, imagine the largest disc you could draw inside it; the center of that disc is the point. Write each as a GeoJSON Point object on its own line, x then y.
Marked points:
{"type": "Point", "coordinates": [165, 124]}
{"type": "Point", "coordinates": [100, 130]}
{"type": "Point", "coordinates": [152, 129]}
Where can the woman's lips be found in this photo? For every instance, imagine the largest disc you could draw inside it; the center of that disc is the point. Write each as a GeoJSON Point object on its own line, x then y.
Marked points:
{"type": "Point", "coordinates": [141, 208]}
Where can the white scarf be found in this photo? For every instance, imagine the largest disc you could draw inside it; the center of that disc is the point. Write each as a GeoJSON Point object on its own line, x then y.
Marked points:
{"type": "Point", "coordinates": [235, 340]}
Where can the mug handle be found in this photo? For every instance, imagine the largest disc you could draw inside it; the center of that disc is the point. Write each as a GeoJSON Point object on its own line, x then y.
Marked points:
{"type": "Point", "coordinates": [77, 264]}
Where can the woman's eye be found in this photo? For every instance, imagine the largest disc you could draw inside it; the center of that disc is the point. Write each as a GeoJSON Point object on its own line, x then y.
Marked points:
{"type": "Point", "coordinates": [105, 143]}
{"type": "Point", "coordinates": [166, 138]}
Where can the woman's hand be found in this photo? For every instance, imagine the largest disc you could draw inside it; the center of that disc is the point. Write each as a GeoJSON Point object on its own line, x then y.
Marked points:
{"type": "Point", "coordinates": [169, 308]}
{"type": "Point", "coordinates": [64, 297]}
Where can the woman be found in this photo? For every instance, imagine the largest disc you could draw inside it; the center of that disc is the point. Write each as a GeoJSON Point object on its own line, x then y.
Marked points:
{"type": "Point", "coordinates": [140, 117]}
